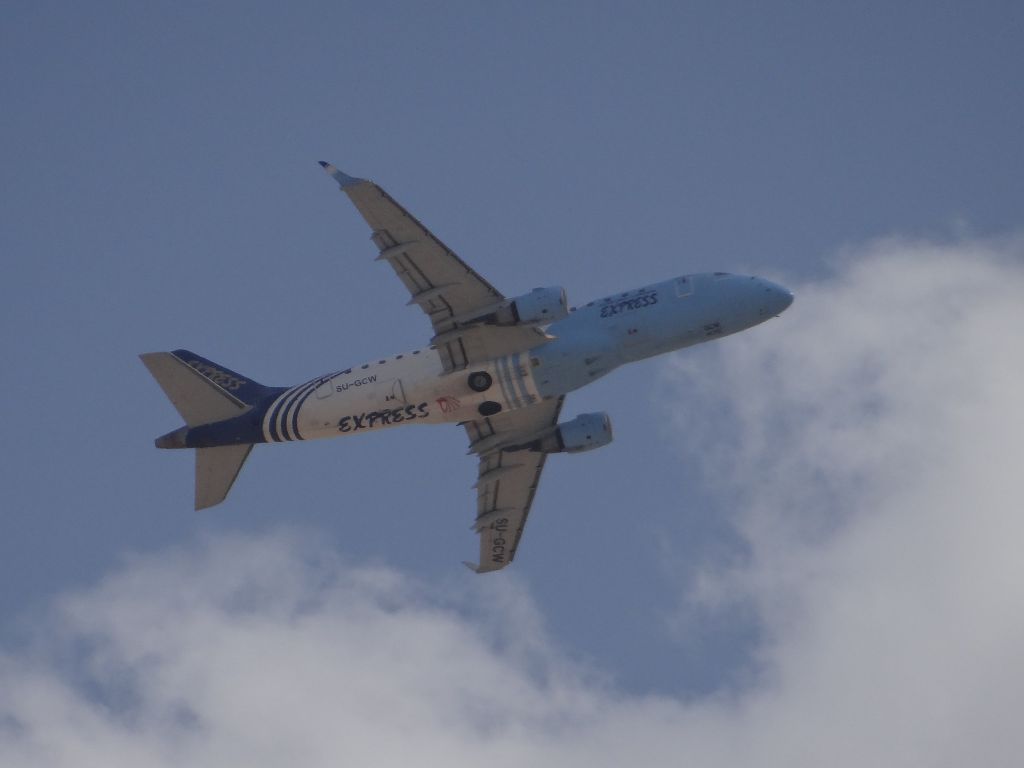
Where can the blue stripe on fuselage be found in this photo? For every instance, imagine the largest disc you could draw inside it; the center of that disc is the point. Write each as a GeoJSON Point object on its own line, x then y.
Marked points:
{"type": "Point", "coordinates": [506, 364]}
{"type": "Point", "coordinates": [520, 377]}
{"type": "Point", "coordinates": [298, 406]}
{"type": "Point", "coordinates": [272, 420]}
{"type": "Point", "coordinates": [498, 369]}
{"type": "Point", "coordinates": [286, 412]}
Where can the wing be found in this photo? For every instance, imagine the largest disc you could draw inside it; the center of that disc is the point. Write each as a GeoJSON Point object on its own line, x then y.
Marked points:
{"type": "Point", "coordinates": [448, 290]}
{"type": "Point", "coordinates": [507, 478]}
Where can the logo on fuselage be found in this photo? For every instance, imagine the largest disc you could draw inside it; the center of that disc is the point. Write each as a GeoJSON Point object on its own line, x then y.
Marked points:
{"type": "Point", "coordinates": [644, 299]}
{"type": "Point", "coordinates": [385, 418]}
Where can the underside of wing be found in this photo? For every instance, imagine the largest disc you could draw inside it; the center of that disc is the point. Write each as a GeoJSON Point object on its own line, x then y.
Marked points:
{"type": "Point", "coordinates": [507, 478]}
{"type": "Point", "coordinates": [452, 295]}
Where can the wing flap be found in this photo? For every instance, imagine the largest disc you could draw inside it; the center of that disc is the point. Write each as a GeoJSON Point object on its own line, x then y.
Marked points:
{"type": "Point", "coordinates": [463, 347]}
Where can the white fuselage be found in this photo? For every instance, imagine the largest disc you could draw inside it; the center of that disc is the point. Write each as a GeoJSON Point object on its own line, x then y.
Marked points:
{"type": "Point", "coordinates": [414, 388]}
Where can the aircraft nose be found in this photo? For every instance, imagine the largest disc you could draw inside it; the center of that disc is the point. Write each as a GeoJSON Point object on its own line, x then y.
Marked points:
{"type": "Point", "coordinates": [784, 297]}
{"type": "Point", "coordinates": [778, 298]}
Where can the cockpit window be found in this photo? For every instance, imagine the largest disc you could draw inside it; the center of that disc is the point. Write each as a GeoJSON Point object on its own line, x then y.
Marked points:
{"type": "Point", "coordinates": [684, 286]}
{"type": "Point", "coordinates": [723, 275]}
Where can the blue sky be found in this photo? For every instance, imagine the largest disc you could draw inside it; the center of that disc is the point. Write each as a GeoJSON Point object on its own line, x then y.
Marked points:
{"type": "Point", "coordinates": [162, 191]}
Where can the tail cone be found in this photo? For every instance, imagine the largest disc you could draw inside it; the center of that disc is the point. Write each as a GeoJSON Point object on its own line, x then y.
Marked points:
{"type": "Point", "coordinates": [175, 439]}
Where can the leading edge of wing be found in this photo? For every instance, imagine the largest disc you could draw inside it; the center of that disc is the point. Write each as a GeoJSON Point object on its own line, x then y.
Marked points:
{"type": "Point", "coordinates": [445, 288]}
{"type": "Point", "coordinates": [343, 179]}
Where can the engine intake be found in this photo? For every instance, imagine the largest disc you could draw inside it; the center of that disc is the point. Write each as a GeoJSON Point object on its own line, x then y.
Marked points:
{"type": "Point", "coordinates": [538, 307]}
{"type": "Point", "coordinates": [584, 433]}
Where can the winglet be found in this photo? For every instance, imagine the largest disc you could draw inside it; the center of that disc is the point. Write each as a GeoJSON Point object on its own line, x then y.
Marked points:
{"type": "Point", "coordinates": [472, 566]}
{"type": "Point", "coordinates": [343, 179]}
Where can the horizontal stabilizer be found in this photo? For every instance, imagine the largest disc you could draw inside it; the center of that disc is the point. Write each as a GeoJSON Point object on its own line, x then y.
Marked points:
{"type": "Point", "coordinates": [216, 470]}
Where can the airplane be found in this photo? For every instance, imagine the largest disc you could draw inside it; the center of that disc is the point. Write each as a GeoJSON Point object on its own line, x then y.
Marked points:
{"type": "Point", "coordinates": [498, 366]}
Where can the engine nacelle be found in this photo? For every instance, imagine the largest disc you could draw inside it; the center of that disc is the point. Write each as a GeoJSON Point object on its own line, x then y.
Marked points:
{"type": "Point", "coordinates": [538, 307]}
{"type": "Point", "coordinates": [584, 433]}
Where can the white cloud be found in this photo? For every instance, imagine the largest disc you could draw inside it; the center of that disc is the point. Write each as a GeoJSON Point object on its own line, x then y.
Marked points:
{"type": "Point", "coordinates": [870, 441]}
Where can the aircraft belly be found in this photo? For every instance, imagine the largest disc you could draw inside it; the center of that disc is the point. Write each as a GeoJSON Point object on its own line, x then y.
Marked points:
{"type": "Point", "coordinates": [512, 382]}
{"type": "Point", "coordinates": [395, 394]}
{"type": "Point", "coordinates": [450, 399]}
{"type": "Point", "coordinates": [581, 353]}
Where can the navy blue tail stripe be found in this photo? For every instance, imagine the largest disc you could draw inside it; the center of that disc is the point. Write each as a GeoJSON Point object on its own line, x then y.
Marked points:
{"type": "Point", "coordinates": [276, 434]}
{"type": "Point", "coordinates": [283, 418]}
{"type": "Point", "coordinates": [291, 412]}
{"type": "Point", "coordinates": [299, 392]}
{"type": "Point", "coordinates": [273, 419]}
{"type": "Point", "coordinates": [298, 407]}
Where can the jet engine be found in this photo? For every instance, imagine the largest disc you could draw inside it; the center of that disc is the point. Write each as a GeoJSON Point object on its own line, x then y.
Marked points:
{"type": "Point", "coordinates": [538, 307]}
{"type": "Point", "coordinates": [584, 433]}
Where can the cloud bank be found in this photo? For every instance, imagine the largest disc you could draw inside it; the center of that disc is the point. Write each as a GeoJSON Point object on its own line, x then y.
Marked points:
{"type": "Point", "coordinates": [868, 448]}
